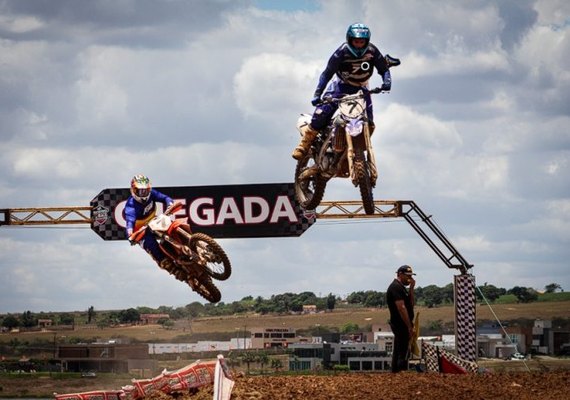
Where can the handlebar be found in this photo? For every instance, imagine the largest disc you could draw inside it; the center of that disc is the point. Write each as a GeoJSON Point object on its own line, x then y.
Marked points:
{"type": "Point", "coordinates": [139, 233]}
{"type": "Point", "coordinates": [330, 99]}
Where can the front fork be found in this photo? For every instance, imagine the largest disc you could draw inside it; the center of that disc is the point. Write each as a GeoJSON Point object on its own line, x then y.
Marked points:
{"type": "Point", "coordinates": [371, 158]}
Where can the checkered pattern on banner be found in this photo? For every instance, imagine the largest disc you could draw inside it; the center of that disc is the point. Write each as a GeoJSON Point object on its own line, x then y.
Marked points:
{"type": "Point", "coordinates": [465, 318]}
{"type": "Point", "coordinates": [306, 218]}
{"type": "Point", "coordinates": [430, 355]}
{"type": "Point", "coordinates": [102, 208]}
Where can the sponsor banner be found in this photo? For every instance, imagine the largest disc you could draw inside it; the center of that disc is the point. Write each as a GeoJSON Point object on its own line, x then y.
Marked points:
{"type": "Point", "coordinates": [94, 395]}
{"type": "Point", "coordinates": [225, 211]}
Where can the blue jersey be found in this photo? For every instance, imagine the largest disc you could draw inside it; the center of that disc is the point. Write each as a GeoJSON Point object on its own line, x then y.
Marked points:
{"type": "Point", "coordinates": [137, 214]}
{"type": "Point", "coordinates": [352, 70]}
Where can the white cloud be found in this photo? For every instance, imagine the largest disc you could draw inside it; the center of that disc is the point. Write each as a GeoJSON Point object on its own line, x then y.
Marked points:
{"type": "Point", "coordinates": [475, 130]}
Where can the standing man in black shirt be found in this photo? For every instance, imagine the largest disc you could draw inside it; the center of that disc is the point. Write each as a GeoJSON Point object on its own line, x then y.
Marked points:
{"type": "Point", "coordinates": [401, 304]}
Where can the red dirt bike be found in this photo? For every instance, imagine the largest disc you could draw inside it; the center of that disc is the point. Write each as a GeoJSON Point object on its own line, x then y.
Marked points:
{"type": "Point", "coordinates": [199, 257]}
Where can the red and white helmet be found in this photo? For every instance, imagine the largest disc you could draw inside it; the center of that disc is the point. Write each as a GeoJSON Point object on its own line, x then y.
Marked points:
{"type": "Point", "coordinates": [140, 188]}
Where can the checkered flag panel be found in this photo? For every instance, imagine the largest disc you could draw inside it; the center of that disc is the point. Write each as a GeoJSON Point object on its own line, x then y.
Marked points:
{"type": "Point", "coordinates": [431, 354]}
{"type": "Point", "coordinates": [465, 316]}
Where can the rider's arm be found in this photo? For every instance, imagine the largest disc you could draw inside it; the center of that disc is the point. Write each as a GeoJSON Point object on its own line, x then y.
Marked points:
{"type": "Point", "coordinates": [381, 66]}
{"type": "Point", "coordinates": [164, 199]}
{"type": "Point", "coordinates": [328, 73]}
{"type": "Point", "coordinates": [387, 78]}
{"type": "Point", "coordinates": [130, 218]}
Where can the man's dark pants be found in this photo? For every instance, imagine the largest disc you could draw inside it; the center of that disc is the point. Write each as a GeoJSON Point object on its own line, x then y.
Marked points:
{"type": "Point", "coordinates": [401, 349]}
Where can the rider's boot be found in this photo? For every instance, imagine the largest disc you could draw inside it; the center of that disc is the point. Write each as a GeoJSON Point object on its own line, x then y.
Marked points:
{"type": "Point", "coordinates": [167, 265]}
{"type": "Point", "coordinates": [309, 135]}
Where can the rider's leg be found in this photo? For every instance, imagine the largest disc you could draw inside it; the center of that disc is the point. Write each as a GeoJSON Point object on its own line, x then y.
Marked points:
{"type": "Point", "coordinates": [309, 134]}
{"type": "Point", "coordinates": [320, 120]}
{"type": "Point", "coordinates": [151, 246]}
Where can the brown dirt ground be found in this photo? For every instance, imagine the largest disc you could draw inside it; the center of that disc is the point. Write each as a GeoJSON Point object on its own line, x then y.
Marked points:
{"type": "Point", "coordinates": [520, 386]}
{"type": "Point", "coordinates": [408, 385]}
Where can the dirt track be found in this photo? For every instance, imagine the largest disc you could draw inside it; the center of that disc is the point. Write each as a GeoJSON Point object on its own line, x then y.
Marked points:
{"type": "Point", "coordinates": [409, 385]}
{"type": "Point", "coordinates": [520, 386]}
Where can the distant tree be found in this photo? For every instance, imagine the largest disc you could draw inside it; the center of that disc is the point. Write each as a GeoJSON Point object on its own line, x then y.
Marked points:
{"type": "Point", "coordinates": [306, 298]}
{"type": "Point", "coordinates": [103, 323]}
{"type": "Point", "coordinates": [296, 305]}
{"type": "Point", "coordinates": [129, 316]}
{"type": "Point", "coordinates": [447, 293]}
{"type": "Point", "coordinates": [264, 309]}
{"type": "Point", "coordinates": [374, 299]}
{"type": "Point", "coordinates": [356, 297]}
{"type": "Point", "coordinates": [90, 314]}
{"type": "Point", "coordinates": [490, 292]}
{"type": "Point", "coordinates": [247, 298]}
{"type": "Point", "coordinates": [10, 322]}
{"type": "Point", "coordinates": [28, 320]}
{"type": "Point", "coordinates": [166, 323]}
{"type": "Point", "coordinates": [276, 364]}
{"type": "Point", "coordinates": [147, 310]}
{"type": "Point", "coordinates": [248, 357]}
{"type": "Point", "coordinates": [350, 327]}
{"type": "Point", "coordinates": [195, 309]}
{"type": "Point", "coordinates": [523, 294]}
{"type": "Point", "coordinates": [552, 287]}
{"type": "Point", "coordinates": [262, 359]}
{"type": "Point", "coordinates": [432, 295]}
{"type": "Point", "coordinates": [331, 301]}
{"type": "Point", "coordinates": [66, 319]}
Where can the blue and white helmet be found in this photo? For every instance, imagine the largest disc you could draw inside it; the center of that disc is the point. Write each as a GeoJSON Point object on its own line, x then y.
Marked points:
{"type": "Point", "coordinates": [357, 31]}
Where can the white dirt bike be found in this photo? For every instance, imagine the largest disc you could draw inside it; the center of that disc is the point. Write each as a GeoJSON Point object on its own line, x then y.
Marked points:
{"type": "Point", "coordinates": [341, 150]}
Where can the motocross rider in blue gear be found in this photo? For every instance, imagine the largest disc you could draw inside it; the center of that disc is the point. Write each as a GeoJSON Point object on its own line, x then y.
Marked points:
{"type": "Point", "coordinates": [139, 210]}
{"type": "Point", "coordinates": [350, 67]}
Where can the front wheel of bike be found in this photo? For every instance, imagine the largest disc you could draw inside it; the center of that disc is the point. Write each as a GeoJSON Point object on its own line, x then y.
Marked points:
{"type": "Point", "coordinates": [206, 288]}
{"type": "Point", "coordinates": [211, 256]}
{"type": "Point", "coordinates": [364, 183]}
{"type": "Point", "coordinates": [309, 189]}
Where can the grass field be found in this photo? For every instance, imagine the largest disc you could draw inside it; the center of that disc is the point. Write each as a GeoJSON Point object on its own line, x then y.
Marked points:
{"type": "Point", "coordinates": [236, 324]}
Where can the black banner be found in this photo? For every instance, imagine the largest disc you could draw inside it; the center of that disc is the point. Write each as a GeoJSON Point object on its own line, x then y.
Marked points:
{"type": "Point", "coordinates": [225, 211]}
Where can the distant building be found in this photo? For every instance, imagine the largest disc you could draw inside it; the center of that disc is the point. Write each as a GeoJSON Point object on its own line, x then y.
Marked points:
{"type": "Point", "coordinates": [548, 340]}
{"type": "Point", "coordinates": [200, 346]}
{"type": "Point", "coordinates": [262, 338]}
{"type": "Point", "coordinates": [309, 309]}
{"type": "Point", "coordinates": [150, 319]}
{"type": "Point", "coordinates": [44, 323]}
{"type": "Point", "coordinates": [357, 356]}
{"type": "Point", "coordinates": [106, 357]}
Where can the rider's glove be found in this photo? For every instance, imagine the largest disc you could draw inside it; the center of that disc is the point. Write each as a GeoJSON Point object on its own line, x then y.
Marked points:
{"type": "Point", "coordinates": [316, 100]}
{"type": "Point", "coordinates": [386, 87]}
{"type": "Point", "coordinates": [133, 242]}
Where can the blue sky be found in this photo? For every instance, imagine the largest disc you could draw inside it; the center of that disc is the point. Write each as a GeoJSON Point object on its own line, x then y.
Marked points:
{"type": "Point", "coordinates": [476, 130]}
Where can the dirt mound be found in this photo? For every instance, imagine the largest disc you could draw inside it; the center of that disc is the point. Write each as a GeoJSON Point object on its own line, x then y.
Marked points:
{"type": "Point", "coordinates": [520, 386]}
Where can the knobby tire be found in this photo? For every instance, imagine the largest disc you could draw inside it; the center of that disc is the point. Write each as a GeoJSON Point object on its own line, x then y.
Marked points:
{"type": "Point", "coordinates": [364, 183]}
{"type": "Point", "coordinates": [206, 288]}
{"type": "Point", "coordinates": [309, 193]}
{"type": "Point", "coordinates": [213, 255]}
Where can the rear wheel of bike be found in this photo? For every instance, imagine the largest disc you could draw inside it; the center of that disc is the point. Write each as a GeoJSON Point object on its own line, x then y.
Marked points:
{"type": "Point", "coordinates": [311, 189]}
{"type": "Point", "coordinates": [211, 256]}
{"type": "Point", "coordinates": [206, 288]}
{"type": "Point", "coordinates": [364, 184]}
